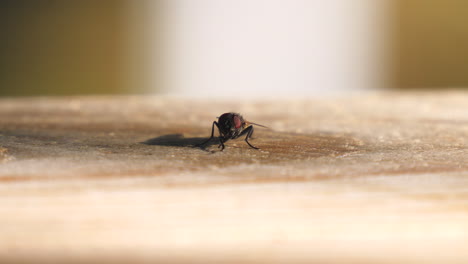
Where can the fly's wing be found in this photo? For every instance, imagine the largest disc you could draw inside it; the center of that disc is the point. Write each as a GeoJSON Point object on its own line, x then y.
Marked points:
{"type": "Point", "coordinates": [251, 123]}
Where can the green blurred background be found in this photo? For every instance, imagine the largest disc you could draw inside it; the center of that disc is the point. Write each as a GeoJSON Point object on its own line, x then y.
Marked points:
{"type": "Point", "coordinates": [429, 44]}
{"type": "Point", "coordinates": [67, 48]}
{"type": "Point", "coordinates": [94, 47]}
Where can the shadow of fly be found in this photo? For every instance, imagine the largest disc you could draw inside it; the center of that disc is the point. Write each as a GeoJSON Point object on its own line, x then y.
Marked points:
{"type": "Point", "coordinates": [232, 126]}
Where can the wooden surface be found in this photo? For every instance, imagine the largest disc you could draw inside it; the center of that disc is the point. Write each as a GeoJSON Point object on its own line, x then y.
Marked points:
{"type": "Point", "coordinates": [376, 178]}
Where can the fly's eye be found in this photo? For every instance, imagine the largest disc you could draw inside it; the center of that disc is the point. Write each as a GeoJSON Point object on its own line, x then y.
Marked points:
{"type": "Point", "coordinates": [237, 122]}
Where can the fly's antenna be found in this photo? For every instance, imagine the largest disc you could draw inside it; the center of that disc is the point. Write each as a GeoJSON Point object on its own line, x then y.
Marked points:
{"type": "Point", "coordinates": [251, 123]}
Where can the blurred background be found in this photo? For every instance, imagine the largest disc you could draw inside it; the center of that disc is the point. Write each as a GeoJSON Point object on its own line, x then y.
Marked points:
{"type": "Point", "coordinates": [231, 48]}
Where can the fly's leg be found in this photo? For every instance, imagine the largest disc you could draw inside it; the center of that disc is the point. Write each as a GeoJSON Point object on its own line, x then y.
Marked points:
{"type": "Point", "coordinates": [249, 132]}
{"type": "Point", "coordinates": [221, 143]}
{"type": "Point", "coordinates": [212, 133]}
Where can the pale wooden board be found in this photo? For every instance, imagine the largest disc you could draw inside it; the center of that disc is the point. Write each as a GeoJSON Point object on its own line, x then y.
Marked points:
{"type": "Point", "coordinates": [367, 178]}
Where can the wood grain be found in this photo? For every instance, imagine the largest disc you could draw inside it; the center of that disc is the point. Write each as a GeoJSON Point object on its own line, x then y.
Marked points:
{"type": "Point", "coordinates": [372, 178]}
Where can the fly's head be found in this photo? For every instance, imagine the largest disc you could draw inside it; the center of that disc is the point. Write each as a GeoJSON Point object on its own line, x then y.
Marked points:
{"type": "Point", "coordinates": [231, 125]}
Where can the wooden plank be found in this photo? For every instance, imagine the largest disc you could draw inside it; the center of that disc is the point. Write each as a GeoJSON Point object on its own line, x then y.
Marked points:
{"type": "Point", "coordinates": [371, 178]}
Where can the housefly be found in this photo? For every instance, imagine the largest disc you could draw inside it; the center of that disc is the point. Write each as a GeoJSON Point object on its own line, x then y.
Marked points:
{"type": "Point", "coordinates": [231, 126]}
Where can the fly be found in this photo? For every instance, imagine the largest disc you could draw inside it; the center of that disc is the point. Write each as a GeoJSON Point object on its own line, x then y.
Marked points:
{"type": "Point", "coordinates": [231, 126]}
